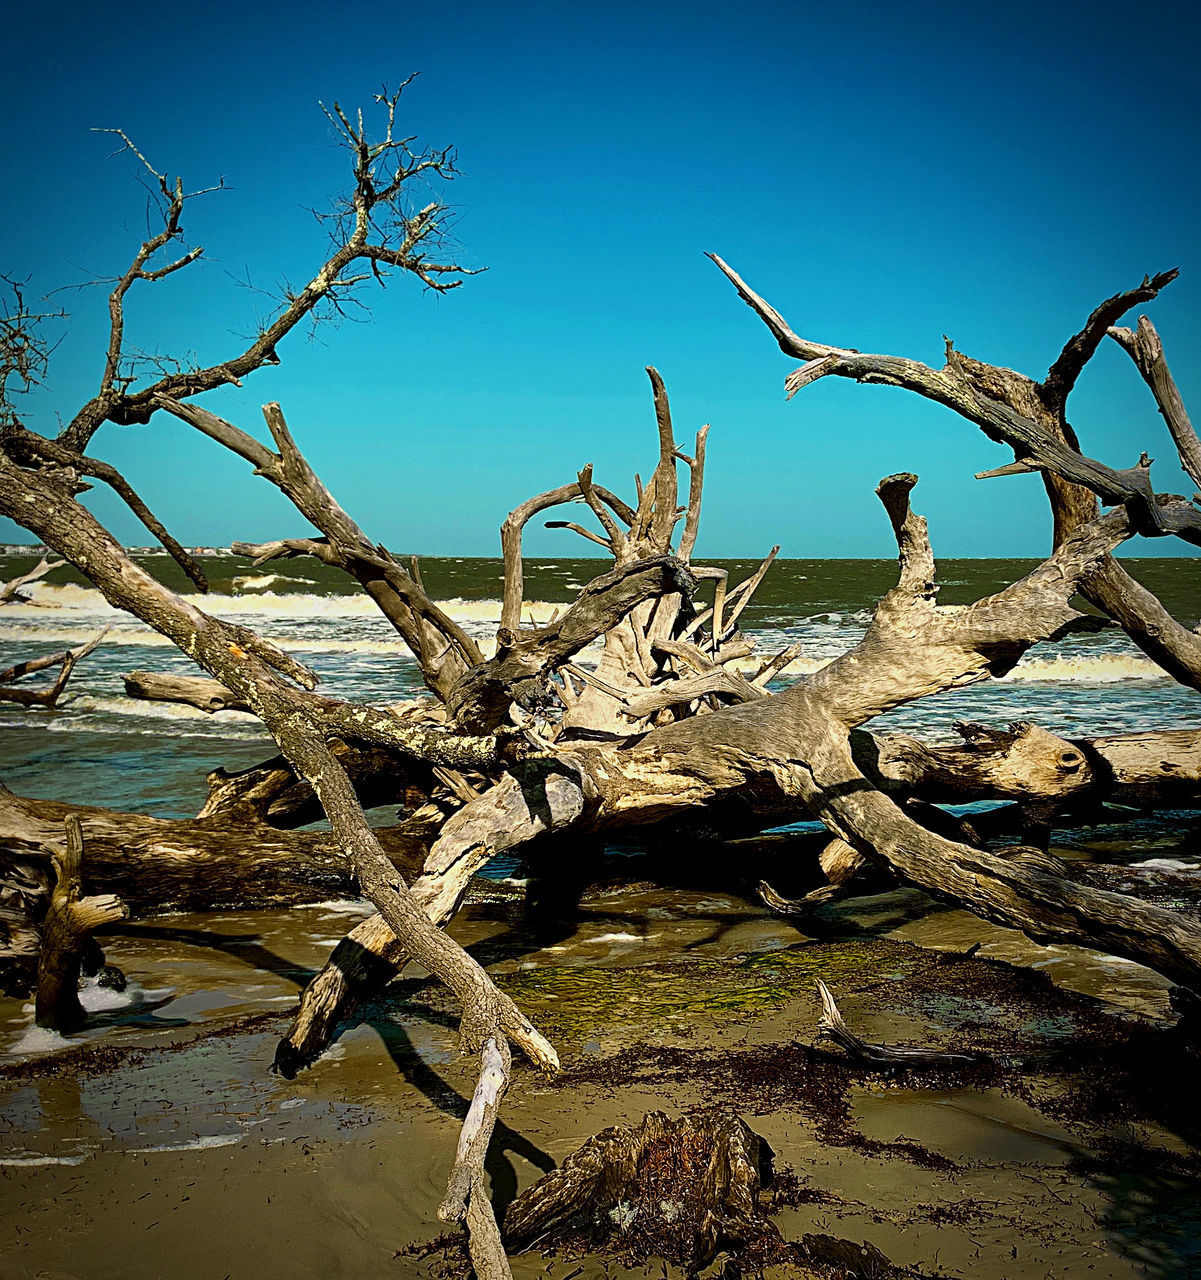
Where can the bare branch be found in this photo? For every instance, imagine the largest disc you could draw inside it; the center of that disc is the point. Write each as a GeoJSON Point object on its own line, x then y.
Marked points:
{"type": "Point", "coordinates": [22, 441]}
{"type": "Point", "coordinates": [971, 390]}
{"type": "Point", "coordinates": [696, 484]}
{"type": "Point", "coordinates": [659, 520]}
{"type": "Point", "coordinates": [738, 599]}
{"type": "Point", "coordinates": [374, 223]}
{"type": "Point", "coordinates": [24, 351]}
{"type": "Point", "coordinates": [1146, 350]}
{"type": "Point", "coordinates": [9, 590]}
{"type": "Point", "coordinates": [1079, 350]}
{"type": "Point", "coordinates": [510, 541]}
{"type": "Point", "coordinates": [617, 539]}
{"type": "Point", "coordinates": [578, 528]}
{"type": "Point", "coordinates": [49, 695]}
{"type": "Point", "coordinates": [442, 648]}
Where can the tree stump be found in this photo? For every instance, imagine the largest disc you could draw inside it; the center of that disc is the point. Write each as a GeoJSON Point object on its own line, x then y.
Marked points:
{"type": "Point", "coordinates": [67, 936]}
{"type": "Point", "coordinates": [676, 1189]}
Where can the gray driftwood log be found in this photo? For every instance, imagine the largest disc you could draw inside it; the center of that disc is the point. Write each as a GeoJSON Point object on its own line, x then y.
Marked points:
{"type": "Point", "coordinates": [193, 691]}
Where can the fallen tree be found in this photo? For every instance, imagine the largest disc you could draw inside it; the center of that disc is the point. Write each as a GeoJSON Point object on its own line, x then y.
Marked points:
{"type": "Point", "coordinates": [673, 719]}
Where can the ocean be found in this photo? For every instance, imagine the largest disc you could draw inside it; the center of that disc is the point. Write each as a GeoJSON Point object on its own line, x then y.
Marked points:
{"type": "Point", "coordinates": [101, 747]}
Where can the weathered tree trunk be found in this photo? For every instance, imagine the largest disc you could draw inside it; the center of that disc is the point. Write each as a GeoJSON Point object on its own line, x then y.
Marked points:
{"type": "Point", "coordinates": [647, 784]}
{"type": "Point", "coordinates": [1157, 769]}
{"type": "Point", "coordinates": [199, 864]}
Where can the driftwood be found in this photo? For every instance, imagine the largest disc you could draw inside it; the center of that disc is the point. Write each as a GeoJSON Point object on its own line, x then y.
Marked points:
{"type": "Point", "coordinates": [840, 864]}
{"type": "Point", "coordinates": [832, 1027]}
{"type": "Point", "coordinates": [1030, 417]}
{"type": "Point", "coordinates": [67, 931]}
{"type": "Point", "coordinates": [11, 590]}
{"type": "Point", "coordinates": [801, 740]}
{"type": "Point", "coordinates": [678, 1189]}
{"type": "Point", "coordinates": [45, 695]}
{"type": "Point", "coordinates": [193, 691]}
{"type": "Point", "coordinates": [199, 864]}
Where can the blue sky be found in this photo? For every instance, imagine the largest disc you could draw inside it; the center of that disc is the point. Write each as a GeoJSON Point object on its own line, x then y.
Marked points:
{"type": "Point", "coordinates": [883, 173]}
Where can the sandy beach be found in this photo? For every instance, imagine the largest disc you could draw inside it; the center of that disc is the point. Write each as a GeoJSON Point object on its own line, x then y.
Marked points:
{"type": "Point", "coordinates": [168, 1148]}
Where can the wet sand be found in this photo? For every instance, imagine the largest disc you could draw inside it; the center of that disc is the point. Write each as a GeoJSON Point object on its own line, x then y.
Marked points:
{"type": "Point", "coordinates": [162, 1146]}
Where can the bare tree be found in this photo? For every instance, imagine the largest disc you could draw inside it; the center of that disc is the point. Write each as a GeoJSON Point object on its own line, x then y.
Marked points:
{"type": "Point", "coordinates": [533, 742]}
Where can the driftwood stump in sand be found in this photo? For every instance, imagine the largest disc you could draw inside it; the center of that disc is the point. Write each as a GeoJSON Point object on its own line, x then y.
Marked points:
{"type": "Point", "coordinates": [676, 1189]}
{"type": "Point", "coordinates": [67, 931]}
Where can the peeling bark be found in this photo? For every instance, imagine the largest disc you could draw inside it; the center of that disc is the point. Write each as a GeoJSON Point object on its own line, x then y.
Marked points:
{"type": "Point", "coordinates": [680, 1189]}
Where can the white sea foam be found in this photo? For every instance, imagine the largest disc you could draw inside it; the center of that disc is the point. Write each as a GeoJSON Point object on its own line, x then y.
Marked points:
{"type": "Point", "coordinates": [120, 706]}
{"type": "Point", "coordinates": [71, 598]}
{"type": "Point", "coordinates": [341, 907]}
{"type": "Point", "coordinates": [81, 609]}
{"type": "Point", "coordinates": [36, 1042]}
{"type": "Point", "coordinates": [262, 581]}
{"type": "Point", "coordinates": [139, 637]}
{"type": "Point", "coordinates": [193, 1144]}
{"type": "Point", "coordinates": [1097, 668]}
{"type": "Point", "coordinates": [98, 999]}
{"type": "Point", "coordinates": [29, 1162]}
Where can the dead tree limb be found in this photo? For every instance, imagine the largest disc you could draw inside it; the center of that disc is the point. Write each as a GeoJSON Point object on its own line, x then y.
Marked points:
{"type": "Point", "coordinates": [1144, 347]}
{"type": "Point", "coordinates": [507, 816]}
{"type": "Point", "coordinates": [9, 590]}
{"type": "Point", "coordinates": [193, 691]}
{"type": "Point", "coordinates": [511, 537]}
{"type": "Point", "coordinates": [200, 864]}
{"type": "Point", "coordinates": [833, 1027]}
{"type": "Point", "coordinates": [1015, 410]}
{"type": "Point", "coordinates": [442, 648]}
{"type": "Point", "coordinates": [374, 229]}
{"type": "Point", "coordinates": [47, 695]}
{"type": "Point", "coordinates": [301, 724]}
{"type": "Point", "coordinates": [27, 445]}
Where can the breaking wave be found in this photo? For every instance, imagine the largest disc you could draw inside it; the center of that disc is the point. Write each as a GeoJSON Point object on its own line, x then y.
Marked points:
{"type": "Point", "coordinates": [154, 710]}
{"type": "Point", "coordinates": [69, 614]}
{"type": "Point", "coordinates": [264, 581]}
{"type": "Point", "coordinates": [67, 598]}
{"type": "Point", "coordinates": [1097, 668]}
